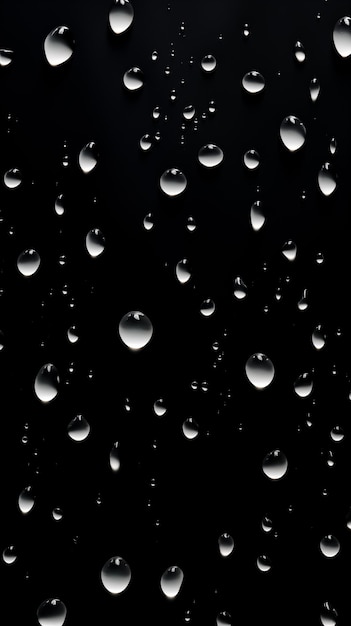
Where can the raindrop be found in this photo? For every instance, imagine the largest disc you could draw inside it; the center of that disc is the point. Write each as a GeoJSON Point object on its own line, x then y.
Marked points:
{"type": "Point", "coordinates": [225, 544]}
{"type": "Point", "coordinates": [95, 242]}
{"type": "Point", "coordinates": [329, 546]}
{"type": "Point", "coordinates": [292, 133]}
{"type": "Point", "coordinates": [156, 113]}
{"type": "Point", "coordinates": [275, 465]}
{"type": "Point", "coordinates": [326, 179]}
{"type": "Point", "coordinates": [88, 157]}
{"type": "Point", "coordinates": [78, 429]}
{"type": "Point", "coordinates": [253, 82]}
{"type": "Point", "coordinates": [337, 434]}
{"type": "Point", "coordinates": [342, 36]}
{"type": "Point", "coordinates": [26, 500]}
{"type": "Point", "coordinates": [267, 524]}
{"type": "Point", "coordinates": [289, 250]}
{"type": "Point", "coordinates": [257, 216]}
{"type": "Point", "coordinates": [154, 55]}
{"type": "Point", "coordinates": [12, 178]}
{"type": "Point", "coordinates": [6, 57]}
{"type": "Point", "coordinates": [57, 514]}
{"type": "Point", "coordinates": [115, 462]}
{"type": "Point", "coordinates": [328, 615]}
{"type": "Point", "coordinates": [58, 46]}
{"type": "Point", "coordinates": [133, 79]}
{"type": "Point", "coordinates": [183, 271]}
{"type": "Point", "coordinates": [240, 289]}
{"type": "Point", "coordinates": [263, 563]}
{"type": "Point", "coordinates": [135, 330]}
{"type": "Point", "coordinates": [210, 155]}
{"type": "Point", "coordinates": [9, 555]}
{"type": "Point", "coordinates": [46, 383]}
{"type": "Point", "coordinates": [300, 54]}
{"type": "Point", "coordinates": [146, 142]}
{"type": "Point", "coordinates": [332, 145]}
{"type": "Point", "coordinates": [191, 225]}
{"type": "Point", "coordinates": [318, 337]}
{"type": "Point", "coordinates": [173, 182]}
{"type": "Point", "coordinates": [190, 428]}
{"type": "Point", "coordinates": [121, 16]}
{"type": "Point", "coordinates": [302, 304]}
{"type": "Point", "coordinates": [72, 334]}
{"type": "Point", "coordinates": [314, 89]}
{"type": "Point", "coordinates": [28, 262]}
{"type": "Point", "coordinates": [160, 408]}
{"type": "Point", "coordinates": [171, 581]}
{"type": "Point", "coordinates": [148, 222]}
{"type": "Point", "coordinates": [116, 575]}
{"type": "Point", "coordinates": [207, 307]}
{"type": "Point", "coordinates": [251, 159]}
{"type": "Point", "coordinates": [303, 385]}
{"type": "Point", "coordinates": [189, 112]}
{"type": "Point", "coordinates": [208, 63]}
{"type": "Point", "coordinates": [259, 370]}
{"type": "Point", "coordinates": [60, 204]}
{"type": "Point", "coordinates": [51, 612]}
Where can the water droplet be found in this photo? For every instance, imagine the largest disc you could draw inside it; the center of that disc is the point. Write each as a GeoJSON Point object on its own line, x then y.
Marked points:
{"type": "Point", "coordinates": [60, 204]}
{"type": "Point", "coordinates": [115, 462]}
{"type": "Point", "coordinates": [253, 82]}
{"type": "Point", "coordinates": [327, 179]}
{"type": "Point", "coordinates": [342, 36]}
{"type": "Point", "coordinates": [208, 63]}
{"type": "Point", "coordinates": [133, 79]}
{"type": "Point", "coordinates": [116, 575]}
{"type": "Point", "coordinates": [171, 581]}
{"type": "Point", "coordinates": [72, 334]}
{"type": "Point", "coordinates": [46, 383]}
{"type": "Point", "coordinates": [314, 89]}
{"type": "Point", "coordinates": [207, 307]}
{"type": "Point", "coordinates": [173, 95]}
{"type": "Point", "coordinates": [263, 563]}
{"type": "Point", "coordinates": [26, 500]}
{"type": "Point", "coordinates": [267, 524]}
{"type": "Point", "coordinates": [167, 70]}
{"type": "Point", "coordinates": [28, 262]}
{"type": "Point", "coordinates": [257, 216]}
{"type": "Point", "coordinates": [121, 16]}
{"type": "Point", "coordinates": [191, 225]}
{"type": "Point", "coordinates": [58, 46]}
{"type": "Point", "coordinates": [210, 155]}
{"type": "Point", "coordinates": [251, 159]}
{"type": "Point", "coordinates": [246, 30]}
{"type": "Point", "coordinates": [160, 408]}
{"type": "Point", "coordinates": [332, 145]}
{"type": "Point", "coordinates": [189, 112]}
{"type": "Point", "coordinates": [190, 428]}
{"type": "Point", "coordinates": [240, 289]}
{"type": "Point", "coordinates": [6, 57]}
{"type": "Point", "coordinates": [95, 242]}
{"type": "Point", "coordinates": [12, 178]}
{"type": "Point", "coordinates": [302, 304]}
{"type": "Point", "coordinates": [337, 434]}
{"type": "Point", "coordinates": [173, 182]}
{"type": "Point", "coordinates": [320, 258]}
{"type": "Point", "coordinates": [329, 546]}
{"type": "Point", "coordinates": [225, 544]}
{"type": "Point", "coordinates": [154, 55]}
{"type": "Point", "coordinates": [57, 514]}
{"type": "Point", "coordinates": [135, 330]}
{"type": "Point", "coordinates": [328, 615]}
{"type": "Point", "coordinates": [259, 370]}
{"type": "Point", "coordinates": [156, 113]}
{"type": "Point", "coordinates": [299, 50]}
{"type": "Point", "coordinates": [78, 429]}
{"type": "Point", "coordinates": [88, 157]}
{"type": "Point", "coordinates": [148, 222]}
{"type": "Point", "coordinates": [318, 337]}
{"type": "Point", "coordinates": [292, 133]}
{"type": "Point", "coordinates": [303, 385]}
{"type": "Point", "coordinates": [9, 555]}
{"type": "Point", "coordinates": [183, 272]}
{"type": "Point", "coordinates": [146, 142]}
{"type": "Point", "coordinates": [275, 465]}
{"type": "Point", "coordinates": [289, 250]}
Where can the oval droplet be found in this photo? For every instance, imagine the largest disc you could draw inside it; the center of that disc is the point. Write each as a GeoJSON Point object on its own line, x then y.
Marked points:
{"type": "Point", "coordinates": [253, 82]}
{"type": "Point", "coordinates": [116, 575]}
{"type": "Point", "coordinates": [121, 16]}
{"type": "Point", "coordinates": [6, 57]}
{"type": "Point", "coordinates": [207, 308]}
{"type": "Point", "coordinates": [189, 112]}
{"type": "Point", "coordinates": [88, 157]}
{"type": "Point", "coordinates": [26, 500]}
{"type": "Point", "coordinates": [292, 133]}
{"type": "Point", "coordinates": [303, 385]}
{"type": "Point", "coordinates": [160, 408]}
{"type": "Point", "coordinates": [289, 250]}
{"type": "Point", "coordinates": [133, 79]}
{"type": "Point", "coordinates": [315, 89]}
{"type": "Point", "coordinates": [329, 546]}
{"type": "Point", "coordinates": [210, 155]}
{"type": "Point", "coordinates": [135, 330]}
{"type": "Point", "coordinates": [58, 46]}
{"type": "Point", "coordinates": [171, 581]}
{"type": "Point", "coordinates": [190, 428]}
{"type": "Point", "coordinates": [72, 334]}
{"type": "Point", "coordinates": [240, 289]}
{"type": "Point", "coordinates": [183, 272]}
{"type": "Point", "coordinates": [115, 462]}
{"type": "Point", "coordinates": [52, 612]}
{"type": "Point", "coordinates": [47, 383]}
{"type": "Point", "coordinates": [173, 182]}
{"type": "Point", "coordinates": [275, 465]}
{"type": "Point", "coordinates": [332, 145]}
{"type": "Point", "coordinates": [78, 428]}
{"type": "Point", "coordinates": [148, 221]}
{"type": "Point", "coordinates": [257, 217]}
{"type": "Point", "coordinates": [263, 563]}
{"type": "Point", "coordinates": [13, 178]}
{"type": "Point", "coordinates": [342, 36]}
{"type": "Point", "coordinates": [224, 619]}
{"type": "Point", "coordinates": [28, 262]}
{"type": "Point", "coordinates": [251, 159]}
{"type": "Point", "coordinates": [328, 615]}
{"type": "Point", "coordinates": [146, 142]}
{"type": "Point", "coordinates": [225, 544]}
{"type": "Point", "coordinates": [259, 370]}
{"type": "Point", "coordinates": [299, 51]}
{"type": "Point", "coordinates": [9, 555]}
{"type": "Point", "coordinates": [208, 63]}
{"type": "Point", "coordinates": [95, 242]}
{"type": "Point", "coordinates": [60, 204]}
{"type": "Point", "coordinates": [327, 179]}
{"type": "Point", "coordinates": [318, 337]}
{"type": "Point", "coordinates": [57, 514]}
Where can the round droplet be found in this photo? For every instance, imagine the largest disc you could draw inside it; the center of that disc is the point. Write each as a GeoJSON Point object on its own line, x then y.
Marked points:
{"type": "Point", "coordinates": [337, 434]}
{"type": "Point", "coordinates": [225, 544]}
{"type": "Point", "coordinates": [135, 330]}
{"type": "Point", "coordinates": [171, 581]}
{"type": "Point", "coordinates": [240, 289]}
{"type": "Point", "coordinates": [189, 112]}
{"type": "Point", "coordinates": [9, 555]}
{"type": "Point", "coordinates": [28, 262]}
{"type": "Point", "coordinates": [57, 514]}
{"type": "Point", "coordinates": [133, 79]}
{"type": "Point", "coordinates": [6, 57]}
{"type": "Point", "coordinates": [207, 307]}
{"type": "Point", "coordinates": [190, 428]}
{"type": "Point", "coordinates": [327, 179]}
{"type": "Point", "coordinates": [116, 575]}
{"type": "Point", "coordinates": [257, 217]}
{"type": "Point", "coordinates": [173, 182]}
{"type": "Point", "coordinates": [78, 429]}
{"type": "Point", "coordinates": [303, 385]}
{"type": "Point", "coordinates": [210, 155]}
{"type": "Point", "coordinates": [251, 159]}
{"type": "Point", "coordinates": [263, 563]}
{"type": "Point", "coordinates": [259, 370]}
{"type": "Point", "coordinates": [88, 157]}
{"type": "Point", "coordinates": [146, 142]}
{"type": "Point", "coordinates": [183, 272]}
{"type": "Point", "coordinates": [95, 242]}
{"type": "Point", "coordinates": [342, 36]}
{"type": "Point", "coordinates": [47, 383]}
{"type": "Point", "coordinates": [12, 178]}
{"type": "Point", "coordinates": [121, 16]}
{"type": "Point", "coordinates": [58, 46]}
{"type": "Point", "coordinates": [299, 50]}
{"type": "Point", "coordinates": [329, 546]}
{"type": "Point", "coordinates": [115, 462]}
{"type": "Point", "coordinates": [315, 89]}
{"type": "Point", "coordinates": [160, 408]}
{"type": "Point", "coordinates": [26, 500]}
{"type": "Point", "coordinates": [208, 63]}
{"type": "Point", "coordinates": [148, 222]}
{"type": "Point", "coordinates": [253, 82]}
{"type": "Point", "coordinates": [318, 337]}
{"type": "Point", "coordinates": [275, 465]}
{"type": "Point", "coordinates": [289, 250]}
{"type": "Point", "coordinates": [292, 133]}
{"type": "Point", "coordinates": [52, 612]}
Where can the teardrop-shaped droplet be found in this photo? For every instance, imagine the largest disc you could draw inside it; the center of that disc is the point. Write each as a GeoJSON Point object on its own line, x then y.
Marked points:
{"type": "Point", "coordinates": [60, 204]}
{"type": "Point", "coordinates": [342, 36]}
{"type": "Point", "coordinates": [190, 428]}
{"type": "Point", "coordinates": [299, 51]}
{"type": "Point", "coordinates": [6, 57]}
{"type": "Point", "coordinates": [46, 383]}
{"type": "Point", "coordinates": [173, 182]}
{"type": "Point", "coordinates": [275, 465]}
{"type": "Point", "coordinates": [240, 289]}
{"type": "Point", "coordinates": [329, 546]}
{"type": "Point", "coordinates": [251, 159]}
{"type": "Point", "coordinates": [207, 308]}
{"type": "Point", "coordinates": [133, 79]}
{"type": "Point", "coordinates": [259, 370]}
{"type": "Point", "coordinates": [208, 63]}
{"type": "Point", "coordinates": [148, 222]}
{"type": "Point", "coordinates": [292, 133]}
{"type": "Point", "coordinates": [183, 272]}
{"type": "Point", "coordinates": [88, 157]}
{"type": "Point", "coordinates": [52, 612]}
{"type": "Point", "coordinates": [26, 500]}
{"type": "Point", "coordinates": [9, 555]}
{"type": "Point", "coordinates": [28, 262]}
{"type": "Point", "coordinates": [72, 334]}
{"type": "Point", "coordinates": [318, 337]}
{"type": "Point", "coordinates": [189, 112]}
{"type": "Point", "coordinates": [225, 544]}
{"type": "Point", "coordinates": [95, 242]}
{"type": "Point", "coordinates": [253, 82]}
{"type": "Point", "coordinates": [327, 179]}
{"type": "Point", "coordinates": [146, 142]}
{"type": "Point", "coordinates": [263, 563]}
{"type": "Point", "coordinates": [257, 217]}
{"type": "Point", "coordinates": [328, 615]}
{"type": "Point", "coordinates": [121, 16]}
{"type": "Point", "coordinates": [302, 304]}
{"type": "Point", "coordinates": [13, 178]}
{"type": "Point", "coordinates": [289, 250]}
{"type": "Point", "coordinates": [210, 155]}
{"type": "Point", "coordinates": [116, 575]}
{"type": "Point", "coordinates": [303, 385]}
{"type": "Point", "coordinates": [315, 89]}
{"type": "Point", "coordinates": [115, 462]}
{"type": "Point", "coordinates": [135, 330]}
{"type": "Point", "coordinates": [58, 46]}
{"type": "Point", "coordinates": [171, 581]}
{"type": "Point", "coordinates": [160, 408]}
{"type": "Point", "coordinates": [332, 145]}
{"type": "Point", "coordinates": [78, 429]}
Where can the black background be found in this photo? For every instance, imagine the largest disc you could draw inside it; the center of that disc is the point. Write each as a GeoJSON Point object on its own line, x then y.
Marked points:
{"type": "Point", "coordinates": [215, 483]}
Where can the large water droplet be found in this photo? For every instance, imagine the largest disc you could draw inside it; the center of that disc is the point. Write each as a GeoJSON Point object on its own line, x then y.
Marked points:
{"type": "Point", "coordinates": [314, 89]}
{"type": "Point", "coordinates": [58, 46]}
{"type": "Point", "coordinates": [115, 462]}
{"type": "Point", "coordinates": [207, 307]}
{"type": "Point", "coordinates": [224, 619]}
{"type": "Point", "coordinates": [318, 337]}
{"type": "Point", "coordinates": [160, 408]}
{"type": "Point", "coordinates": [327, 179]}
{"type": "Point", "coordinates": [329, 546]}
{"type": "Point", "coordinates": [183, 272]}
{"type": "Point", "coordinates": [135, 330]}
{"type": "Point", "coordinates": [51, 612]}
{"type": "Point", "coordinates": [289, 250]}
{"type": "Point", "coordinates": [251, 159]}
{"type": "Point", "coordinates": [78, 429]}
{"type": "Point", "coordinates": [189, 112]}
{"type": "Point", "coordinates": [263, 563]}
{"type": "Point", "coordinates": [121, 16]}
{"type": "Point", "coordinates": [88, 157]}
{"type": "Point", "coordinates": [225, 544]}
{"type": "Point", "coordinates": [146, 142]}
{"type": "Point", "coordinates": [259, 370]}
{"type": "Point", "coordinates": [173, 182]}
{"type": "Point", "coordinates": [303, 385]}
{"type": "Point", "coordinates": [275, 465]}
{"type": "Point", "coordinates": [210, 155]}
{"type": "Point", "coordinates": [28, 262]}
{"type": "Point", "coordinates": [9, 555]}
{"type": "Point", "coordinates": [57, 514]}
{"type": "Point", "coordinates": [299, 50]}
{"type": "Point", "coordinates": [26, 500]}
{"type": "Point", "coordinates": [257, 217]}
{"type": "Point", "coordinates": [292, 133]}
{"type": "Point", "coordinates": [190, 428]}
{"type": "Point", "coordinates": [46, 383]}
{"type": "Point", "coordinates": [342, 36]}
{"type": "Point", "coordinates": [171, 581]}
{"type": "Point", "coordinates": [116, 575]}
{"type": "Point", "coordinates": [95, 242]}
{"type": "Point", "coordinates": [208, 63]}
{"type": "Point", "coordinates": [253, 82]}
{"type": "Point", "coordinates": [337, 434]}
{"type": "Point", "coordinates": [13, 178]}
{"type": "Point", "coordinates": [328, 615]}
{"type": "Point", "coordinates": [6, 57]}
{"type": "Point", "coordinates": [133, 79]}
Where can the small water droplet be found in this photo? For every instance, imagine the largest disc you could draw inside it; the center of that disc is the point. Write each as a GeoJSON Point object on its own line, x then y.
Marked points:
{"type": "Point", "coordinates": [327, 179]}
{"type": "Point", "coordinates": [78, 428]}
{"type": "Point", "coordinates": [173, 182]}
{"type": "Point", "coordinates": [121, 16]}
{"type": "Point", "coordinates": [267, 524]}
{"type": "Point", "coordinates": [190, 428]}
{"type": "Point", "coordinates": [13, 178]}
{"type": "Point", "coordinates": [246, 30]}
{"type": "Point", "coordinates": [88, 157]}
{"type": "Point", "coordinates": [171, 581]}
{"type": "Point", "coordinates": [52, 612]}
{"type": "Point", "coordinates": [189, 112]}
{"type": "Point", "coordinates": [207, 307]}
{"type": "Point", "coordinates": [173, 95]}
{"type": "Point", "coordinates": [72, 334]}
{"type": "Point", "coordinates": [329, 546]}
{"type": "Point", "coordinates": [116, 575]}
{"type": "Point", "coordinates": [183, 272]}
{"type": "Point", "coordinates": [95, 242]}
{"type": "Point", "coordinates": [210, 155]}
{"type": "Point", "coordinates": [148, 222]}
{"type": "Point", "coordinates": [146, 142]}
{"type": "Point", "coordinates": [342, 36]}
{"type": "Point", "coordinates": [6, 57]}
{"type": "Point", "coordinates": [9, 555]}
{"type": "Point", "coordinates": [275, 465]}
{"type": "Point", "coordinates": [263, 563]}
{"type": "Point", "coordinates": [26, 500]}
{"type": "Point", "coordinates": [57, 514]}
{"type": "Point", "coordinates": [302, 304]}
{"type": "Point", "coordinates": [58, 46]}
{"type": "Point", "coordinates": [315, 89]}
{"type": "Point", "coordinates": [47, 383]}
{"type": "Point", "coordinates": [303, 385]}
{"type": "Point", "coordinates": [299, 51]}
{"type": "Point", "coordinates": [259, 370]}
{"type": "Point", "coordinates": [337, 434]}
{"type": "Point", "coordinates": [292, 133]}
{"type": "Point", "coordinates": [251, 159]}
{"type": "Point", "coordinates": [191, 225]}
{"type": "Point", "coordinates": [224, 619]}
{"type": "Point", "coordinates": [225, 544]}
{"type": "Point", "coordinates": [328, 615]}
{"type": "Point", "coordinates": [160, 408]}
{"type": "Point", "coordinates": [289, 250]}
{"type": "Point", "coordinates": [28, 262]}
{"type": "Point", "coordinates": [320, 258]}
{"type": "Point", "coordinates": [318, 337]}
{"type": "Point", "coordinates": [154, 55]}
{"type": "Point", "coordinates": [115, 462]}
{"type": "Point", "coordinates": [133, 79]}
{"type": "Point", "coordinates": [257, 216]}
{"type": "Point", "coordinates": [240, 289]}
{"type": "Point", "coordinates": [208, 63]}
{"type": "Point", "coordinates": [60, 204]}
{"type": "Point", "coordinates": [253, 82]}
{"type": "Point", "coordinates": [332, 145]}
{"type": "Point", "coordinates": [135, 330]}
